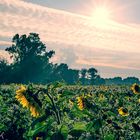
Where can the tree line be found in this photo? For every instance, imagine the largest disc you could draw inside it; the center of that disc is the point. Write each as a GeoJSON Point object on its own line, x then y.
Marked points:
{"type": "Point", "coordinates": [31, 64]}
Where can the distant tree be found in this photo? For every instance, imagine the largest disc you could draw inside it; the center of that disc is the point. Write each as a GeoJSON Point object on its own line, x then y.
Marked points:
{"type": "Point", "coordinates": [83, 76]}
{"type": "Point", "coordinates": [63, 73]}
{"type": "Point", "coordinates": [31, 63]}
{"type": "Point", "coordinates": [4, 71]}
{"type": "Point", "coordinates": [115, 80]}
{"type": "Point", "coordinates": [59, 71]}
{"type": "Point", "coordinates": [131, 80]}
{"type": "Point", "coordinates": [30, 58]}
{"type": "Point", "coordinates": [99, 80]}
{"type": "Point", "coordinates": [72, 76]}
{"type": "Point", "coordinates": [92, 72]}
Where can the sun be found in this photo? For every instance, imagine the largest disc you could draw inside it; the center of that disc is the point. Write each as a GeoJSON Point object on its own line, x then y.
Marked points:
{"type": "Point", "coordinates": [101, 15]}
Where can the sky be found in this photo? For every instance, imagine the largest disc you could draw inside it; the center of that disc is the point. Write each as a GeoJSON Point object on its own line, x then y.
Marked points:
{"type": "Point", "coordinates": [111, 45]}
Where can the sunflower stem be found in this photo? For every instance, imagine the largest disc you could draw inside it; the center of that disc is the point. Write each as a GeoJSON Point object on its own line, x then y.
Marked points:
{"type": "Point", "coordinates": [54, 107]}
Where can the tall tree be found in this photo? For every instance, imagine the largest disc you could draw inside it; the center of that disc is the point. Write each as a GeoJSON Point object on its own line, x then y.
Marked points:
{"type": "Point", "coordinates": [92, 75]}
{"type": "Point", "coordinates": [30, 57]}
{"type": "Point", "coordinates": [83, 76]}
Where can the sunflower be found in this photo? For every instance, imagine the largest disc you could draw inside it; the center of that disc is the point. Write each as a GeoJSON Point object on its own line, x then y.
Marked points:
{"type": "Point", "coordinates": [101, 97]}
{"type": "Point", "coordinates": [135, 88]}
{"type": "Point", "coordinates": [28, 101]}
{"type": "Point", "coordinates": [80, 102]}
{"type": "Point", "coordinates": [21, 97]}
{"type": "Point", "coordinates": [34, 111]}
{"type": "Point", "coordinates": [123, 111]}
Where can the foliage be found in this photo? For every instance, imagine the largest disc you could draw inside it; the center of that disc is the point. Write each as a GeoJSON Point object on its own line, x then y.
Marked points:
{"type": "Point", "coordinates": [71, 112]}
{"type": "Point", "coordinates": [30, 59]}
{"type": "Point", "coordinates": [31, 63]}
{"type": "Point", "coordinates": [14, 120]}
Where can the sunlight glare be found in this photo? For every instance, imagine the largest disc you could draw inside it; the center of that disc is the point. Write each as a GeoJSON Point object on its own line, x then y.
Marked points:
{"type": "Point", "coordinates": [101, 16]}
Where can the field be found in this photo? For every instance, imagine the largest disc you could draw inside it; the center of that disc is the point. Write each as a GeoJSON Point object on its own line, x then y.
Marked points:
{"type": "Point", "coordinates": [60, 112]}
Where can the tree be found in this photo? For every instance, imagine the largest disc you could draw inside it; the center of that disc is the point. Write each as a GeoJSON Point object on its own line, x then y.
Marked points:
{"type": "Point", "coordinates": [92, 75]}
{"type": "Point", "coordinates": [72, 76]}
{"type": "Point", "coordinates": [59, 71]}
{"type": "Point", "coordinates": [4, 71]}
{"type": "Point", "coordinates": [63, 73]}
{"type": "Point", "coordinates": [99, 80]}
{"type": "Point", "coordinates": [30, 58]}
{"type": "Point", "coordinates": [83, 76]}
{"type": "Point", "coordinates": [115, 80]}
{"type": "Point", "coordinates": [131, 80]}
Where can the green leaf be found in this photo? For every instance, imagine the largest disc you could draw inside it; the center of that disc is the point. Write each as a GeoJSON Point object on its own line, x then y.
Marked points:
{"type": "Point", "coordinates": [42, 126]}
{"type": "Point", "coordinates": [80, 126]}
{"type": "Point", "coordinates": [64, 131]}
{"type": "Point", "coordinates": [77, 112]}
{"type": "Point", "coordinates": [47, 99]}
{"type": "Point", "coordinates": [39, 127]}
{"type": "Point", "coordinates": [78, 129]}
{"type": "Point", "coordinates": [39, 120]}
{"type": "Point", "coordinates": [2, 127]}
{"type": "Point", "coordinates": [89, 126]}
{"type": "Point", "coordinates": [1, 98]}
{"type": "Point", "coordinates": [109, 137]}
{"type": "Point", "coordinates": [110, 113]}
{"type": "Point", "coordinates": [97, 124]}
{"type": "Point", "coordinates": [67, 93]}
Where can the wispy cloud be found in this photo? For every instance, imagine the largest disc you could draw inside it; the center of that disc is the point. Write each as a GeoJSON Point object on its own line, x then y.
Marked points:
{"type": "Point", "coordinates": [73, 36]}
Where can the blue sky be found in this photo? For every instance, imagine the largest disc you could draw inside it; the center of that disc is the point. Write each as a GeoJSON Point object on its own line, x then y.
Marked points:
{"type": "Point", "coordinates": [67, 27]}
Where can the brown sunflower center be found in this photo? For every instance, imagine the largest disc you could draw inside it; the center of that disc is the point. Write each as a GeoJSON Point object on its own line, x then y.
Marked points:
{"type": "Point", "coordinates": [125, 110]}
{"type": "Point", "coordinates": [137, 89]}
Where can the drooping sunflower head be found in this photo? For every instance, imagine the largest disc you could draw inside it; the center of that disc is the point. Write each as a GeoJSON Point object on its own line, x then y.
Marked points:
{"type": "Point", "coordinates": [29, 100]}
{"type": "Point", "coordinates": [135, 88]}
{"type": "Point", "coordinates": [123, 111]}
{"type": "Point", "coordinates": [80, 102]}
{"type": "Point", "coordinates": [20, 96]}
{"type": "Point", "coordinates": [34, 111]}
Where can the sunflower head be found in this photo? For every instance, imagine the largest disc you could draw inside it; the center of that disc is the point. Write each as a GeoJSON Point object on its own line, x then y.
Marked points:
{"type": "Point", "coordinates": [135, 88]}
{"type": "Point", "coordinates": [20, 96]}
{"type": "Point", "coordinates": [101, 97]}
{"type": "Point", "coordinates": [80, 102]}
{"type": "Point", "coordinates": [123, 111]}
{"type": "Point", "coordinates": [29, 100]}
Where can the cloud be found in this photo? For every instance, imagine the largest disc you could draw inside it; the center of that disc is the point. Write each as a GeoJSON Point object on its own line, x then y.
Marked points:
{"type": "Point", "coordinates": [77, 39]}
{"type": "Point", "coordinates": [5, 55]}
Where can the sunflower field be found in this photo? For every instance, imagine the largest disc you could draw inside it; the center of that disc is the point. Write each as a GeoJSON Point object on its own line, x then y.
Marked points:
{"type": "Point", "coordinates": [61, 112]}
